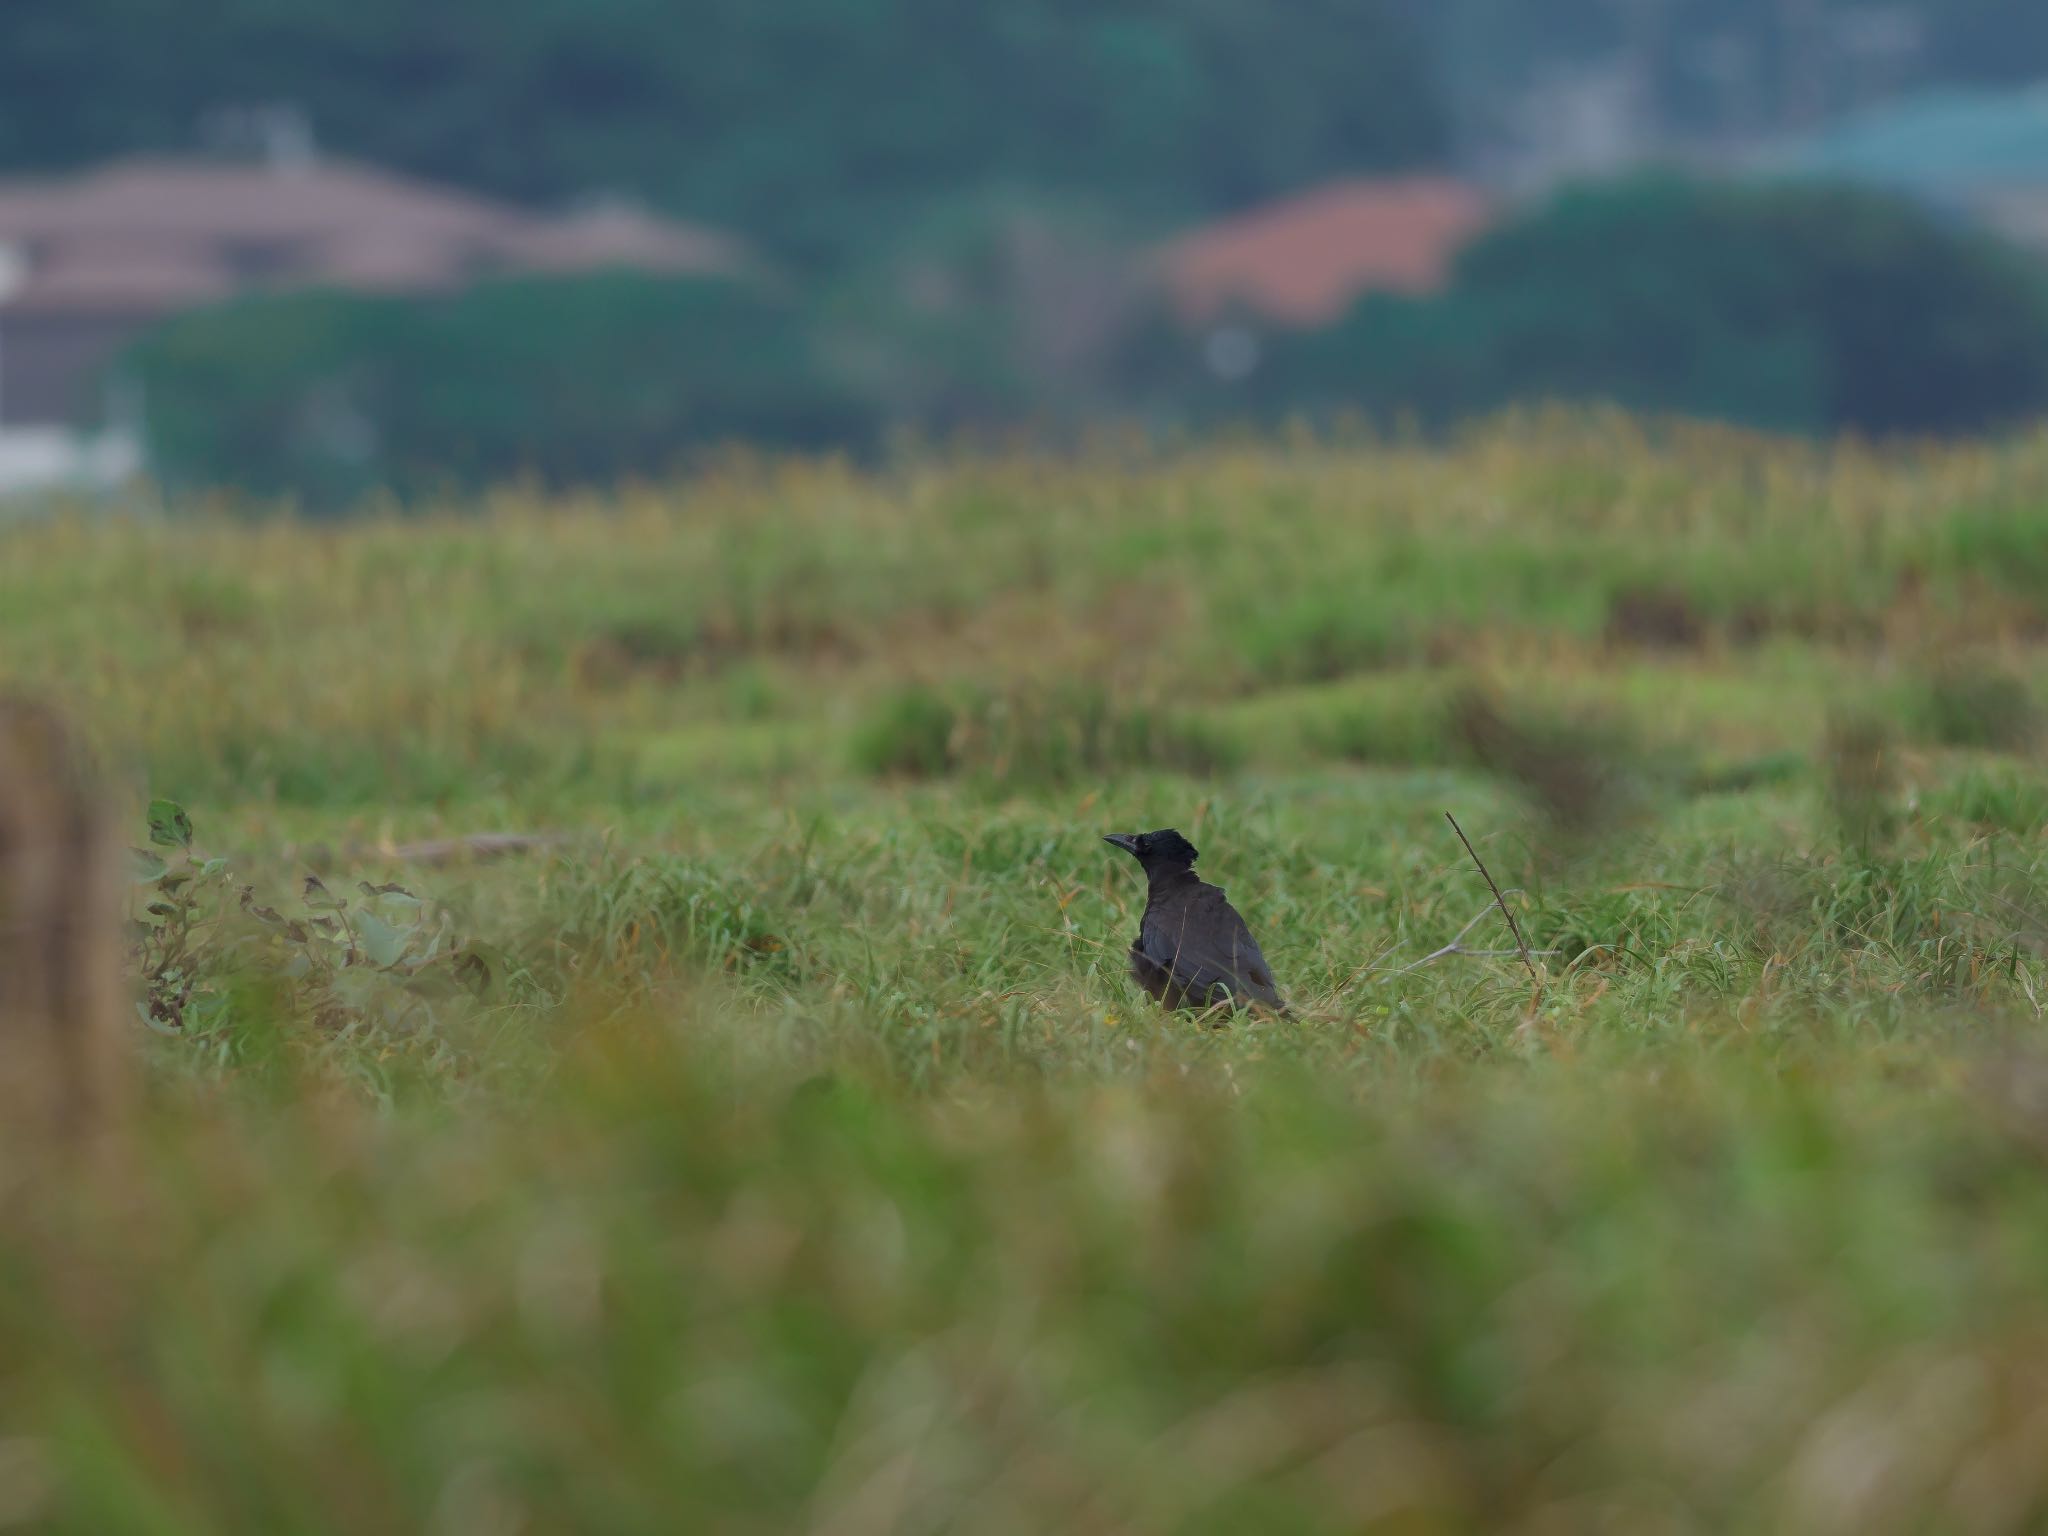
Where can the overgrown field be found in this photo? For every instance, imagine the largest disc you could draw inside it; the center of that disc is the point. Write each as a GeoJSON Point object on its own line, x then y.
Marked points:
{"type": "Point", "coordinates": [776, 1143]}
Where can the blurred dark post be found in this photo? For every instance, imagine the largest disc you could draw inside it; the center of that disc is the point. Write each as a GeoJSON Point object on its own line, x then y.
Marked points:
{"type": "Point", "coordinates": [63, 996]}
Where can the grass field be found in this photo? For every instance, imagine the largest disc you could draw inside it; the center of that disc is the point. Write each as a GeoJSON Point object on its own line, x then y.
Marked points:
{"type": "Point", "coordinates": [779, 1145]}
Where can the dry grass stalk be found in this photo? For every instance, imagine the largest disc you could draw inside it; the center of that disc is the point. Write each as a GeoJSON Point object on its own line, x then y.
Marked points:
{"type": "Point", "coordinates": [1499, 900]}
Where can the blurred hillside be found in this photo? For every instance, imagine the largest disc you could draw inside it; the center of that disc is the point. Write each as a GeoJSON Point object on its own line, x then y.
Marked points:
{"type": "Point", "coordinates": [665, 228]}
{"type": "Point", "coordinates": [819, 128]}
{"type": "Point", "coordinates": [816, 126]}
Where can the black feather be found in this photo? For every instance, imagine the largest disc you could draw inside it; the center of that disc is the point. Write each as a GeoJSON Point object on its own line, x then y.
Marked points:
{"type": "Point", "coordinates": [1193, 950]}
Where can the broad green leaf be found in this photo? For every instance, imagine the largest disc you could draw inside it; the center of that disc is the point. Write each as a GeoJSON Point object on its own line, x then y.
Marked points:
{"type": "Point", "coordinates": [169, 826]}
{"type": "Point", "coordinates": [384, 944]}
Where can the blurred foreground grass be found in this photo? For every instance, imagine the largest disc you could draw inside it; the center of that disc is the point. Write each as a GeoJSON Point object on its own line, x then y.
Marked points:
{"type": "Point", "coordinates": [793, 1154]}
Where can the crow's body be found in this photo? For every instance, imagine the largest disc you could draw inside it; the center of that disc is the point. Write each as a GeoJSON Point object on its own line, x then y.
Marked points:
{"type": "Point", "coordinates": [1192, 949]}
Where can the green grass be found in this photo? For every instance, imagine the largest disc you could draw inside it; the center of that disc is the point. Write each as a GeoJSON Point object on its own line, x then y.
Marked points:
{"type": "Point", "coordinates": [784, 1147]}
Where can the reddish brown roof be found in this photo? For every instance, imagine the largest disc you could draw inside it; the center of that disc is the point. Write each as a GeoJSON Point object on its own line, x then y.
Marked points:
{"type": "Point", "coordinates": [1304, 261]}
{"type": "Point", "coordinates": [224, 199]}
{"type": "Point", "coordinates": [160, 233]}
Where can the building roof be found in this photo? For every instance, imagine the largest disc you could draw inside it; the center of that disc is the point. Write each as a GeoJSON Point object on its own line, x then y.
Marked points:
{"type": "Point", "coordinates": [621, 235]}
{"type": "Point", "coordinates": [1305, 260]}
{"type": "Point", "coordinates": [1934, 142]}
{"type": "Point", "coordinates": [160, 196]}
{"type": "Point", "coordinates": [104, 278]}
{"type": "Point", "coordinates": [189, 230]}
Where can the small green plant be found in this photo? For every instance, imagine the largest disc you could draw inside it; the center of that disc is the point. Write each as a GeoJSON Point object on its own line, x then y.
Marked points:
{"type": "Point", "coordinates": [1584, 775]}
{"type": "Point", "coordinates": [1031, 735]}
{"type": "Point", "coordinates": [380, 958]}
{"type": "Point", "coordinates": [1318, 635]}
{"type": "Point", "coordinates": [909, 735]}
{"type": "Point", "coordinates": [659, 911]}
{"type": "Point", "coordinates": [1405, 728]}
{"type": "Point", "coordinates": [1982, 706]}
{"type": "Point", "coordinates": [1994, 796]}
{"type": "Point", "coordinates": [1862, 781]}
{"type": "Point", "coordinates": [176, 934]}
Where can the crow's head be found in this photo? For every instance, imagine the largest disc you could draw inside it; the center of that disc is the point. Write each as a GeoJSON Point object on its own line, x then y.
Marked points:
{"type": "Point", "coordinates": [1161, 850]}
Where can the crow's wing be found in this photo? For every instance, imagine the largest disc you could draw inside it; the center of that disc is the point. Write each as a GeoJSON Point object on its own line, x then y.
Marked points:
{"type": "Point", "coordinates": [1199, 939]}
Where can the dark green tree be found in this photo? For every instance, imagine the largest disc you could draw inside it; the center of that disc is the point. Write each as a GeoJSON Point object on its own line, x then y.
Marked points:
{"type": "Point", "coordinates": [328, 397]}
{"type": "Point", "coordinates": [817, 126]}
{"type": "Point", "coordinates": [1789, 306]}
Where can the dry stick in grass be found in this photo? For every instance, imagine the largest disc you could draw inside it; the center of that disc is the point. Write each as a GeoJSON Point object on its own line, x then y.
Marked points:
{"type": "Point", "coordinates": [474, 845]}
{"type": "Point", "coordinates": [1457, 947]}
{"type": "Point", "coordinates": [1513, 927]}
{"type": "Point", "coordinates": [471, 846]}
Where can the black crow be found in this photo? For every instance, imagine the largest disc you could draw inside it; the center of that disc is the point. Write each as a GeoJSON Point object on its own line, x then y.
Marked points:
{"type": "Point", "coordinates": [1192, 949]}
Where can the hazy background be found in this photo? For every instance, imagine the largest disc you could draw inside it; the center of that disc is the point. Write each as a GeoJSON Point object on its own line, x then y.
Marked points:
{"type": "Point", "coordinates": [627, 999]}
{"type": "Point", "coordinates": [315, 249]}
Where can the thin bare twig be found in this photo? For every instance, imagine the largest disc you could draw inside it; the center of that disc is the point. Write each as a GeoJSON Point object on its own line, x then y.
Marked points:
{"type": "Point", "coordinates": [475, 845]}
{"type": "Point", "coordinates": [1513, 927]}
{"type": "Point", "coordinates": [1455, 947]}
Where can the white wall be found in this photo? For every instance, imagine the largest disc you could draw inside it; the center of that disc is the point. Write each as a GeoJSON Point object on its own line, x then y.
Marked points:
{"type": "Point", "coordinates": [51, 458]}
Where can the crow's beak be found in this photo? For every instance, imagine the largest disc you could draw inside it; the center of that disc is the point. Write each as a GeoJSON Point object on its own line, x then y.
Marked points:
{"type": "Point", "coordinates": [1128, 841]}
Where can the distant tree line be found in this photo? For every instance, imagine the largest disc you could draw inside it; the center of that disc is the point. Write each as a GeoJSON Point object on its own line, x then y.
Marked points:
{"type": "Point", "coordinates": [1787, 307]}
{"type": "Point", "coordinates": [821, 127]}
{"type": "Point", "coordinates": [815, 127]}
{"type": "Point", "coordinates": [329, 398]}
{"type": "Point", "coordinates": [871, 148]}
{"type": "Point", "coordinates": [1792, 307]}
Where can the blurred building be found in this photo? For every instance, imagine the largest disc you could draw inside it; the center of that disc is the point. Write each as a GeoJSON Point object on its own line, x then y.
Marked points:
{"type": "Point", "coordinates": [89, 263]}
{"type": "Point", "coordinates": [1304, 261]}
{"type": "Point", "coordinates": [1667, 83]}
{"type": "Point", "coordinates": [1981, 155]}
